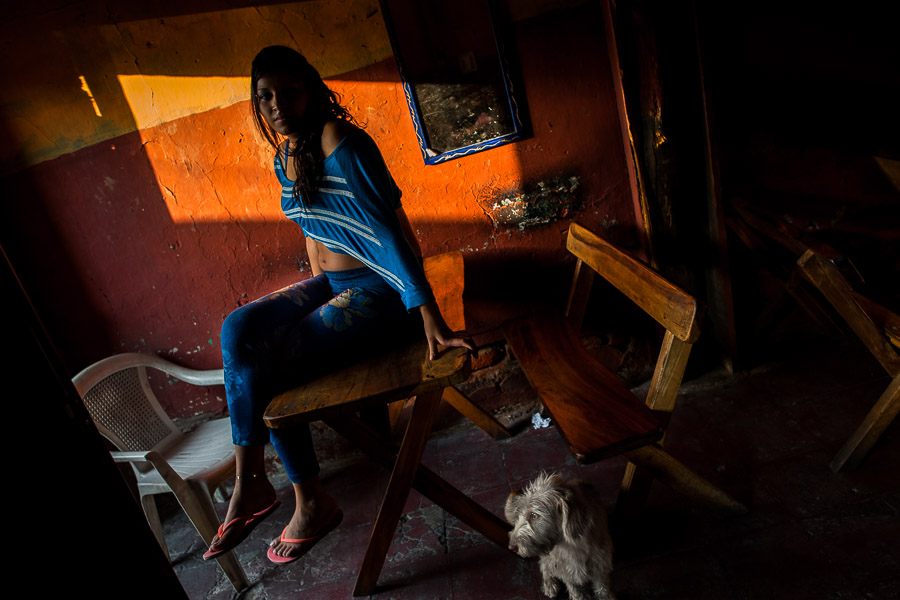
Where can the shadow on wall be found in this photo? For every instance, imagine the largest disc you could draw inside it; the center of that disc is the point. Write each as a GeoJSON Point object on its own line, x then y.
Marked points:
{"type": "Point", "coordinates": [34, 241]}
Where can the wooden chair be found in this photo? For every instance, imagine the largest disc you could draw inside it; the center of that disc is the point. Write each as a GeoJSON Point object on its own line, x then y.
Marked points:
{"type": "Point", "coordinates": [121, 402]}
{"type": "Point", "coordinates": [879, 330]}
{"type": "Point", "coordinates": [593, 409]}
{"type": "Point", "coordinates": [395, 376]}
{"type": "Point", "coordinates": [798, 260]}
{"type": "Point", "coordinates": [776, 245]}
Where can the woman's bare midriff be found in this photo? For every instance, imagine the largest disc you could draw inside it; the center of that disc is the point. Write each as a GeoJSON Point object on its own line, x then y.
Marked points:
{"type": "Point", "coordinates": [332, 261]}
{"type": "Point", "coordinates": [327, 260]}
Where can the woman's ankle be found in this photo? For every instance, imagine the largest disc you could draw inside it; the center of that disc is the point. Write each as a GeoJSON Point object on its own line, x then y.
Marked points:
{"type": "Point", "coordinates": [254, 493]}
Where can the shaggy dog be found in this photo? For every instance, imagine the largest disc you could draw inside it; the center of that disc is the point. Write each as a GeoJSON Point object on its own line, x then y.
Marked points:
{"type": "Point", "coordinates": [563, 523]}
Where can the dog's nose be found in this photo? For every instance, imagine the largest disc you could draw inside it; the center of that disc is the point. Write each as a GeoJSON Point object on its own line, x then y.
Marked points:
{"type": "Point", "coordinates": [513, 547]}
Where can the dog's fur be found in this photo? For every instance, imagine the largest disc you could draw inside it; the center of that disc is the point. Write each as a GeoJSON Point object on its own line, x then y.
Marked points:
{"type": "Point", "coordinates": [563, 523]}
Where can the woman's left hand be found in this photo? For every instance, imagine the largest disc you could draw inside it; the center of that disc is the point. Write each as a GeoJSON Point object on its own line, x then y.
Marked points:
{"type": "Point", "coordinates": [438, 333]}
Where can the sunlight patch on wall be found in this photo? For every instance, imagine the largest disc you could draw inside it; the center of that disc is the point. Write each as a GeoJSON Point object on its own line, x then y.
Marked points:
{"type": "Point", "coordinates": [158, 99]}
{"type": "Point", "coordinates": [87, 90]}
{"type": "Point", "coordinates": [212, 166]}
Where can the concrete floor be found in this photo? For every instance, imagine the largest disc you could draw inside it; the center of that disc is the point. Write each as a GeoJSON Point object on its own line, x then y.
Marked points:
{"type": "Point", "coordinates": [765, 436]}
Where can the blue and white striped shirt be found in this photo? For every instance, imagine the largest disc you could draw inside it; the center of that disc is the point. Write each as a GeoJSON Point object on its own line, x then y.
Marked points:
{"type": "Point", "coordinates": [353, 212]}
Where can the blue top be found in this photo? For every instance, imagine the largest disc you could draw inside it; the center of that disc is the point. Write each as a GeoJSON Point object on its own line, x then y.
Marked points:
{"type": "Point", "coordinates": [353, 212]}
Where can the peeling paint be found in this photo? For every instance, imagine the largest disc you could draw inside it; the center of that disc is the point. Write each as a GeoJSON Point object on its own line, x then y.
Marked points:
{"type": "Point", "coordinates": [536, 204]}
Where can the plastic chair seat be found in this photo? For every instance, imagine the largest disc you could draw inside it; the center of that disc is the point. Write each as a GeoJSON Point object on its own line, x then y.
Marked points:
{"type": "Point", "coordinates": [203, 452]}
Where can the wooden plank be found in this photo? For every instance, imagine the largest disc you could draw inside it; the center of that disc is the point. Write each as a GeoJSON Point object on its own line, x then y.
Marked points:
{"type": "Point", "coordinates": [668, 373]}
{"type": "Point", "coordinates": [661, 396]}
{"type": "Point", "coordinates": [868, 432]}
{"type": "Point", "coordinates": [720, 298]}
{"type": "Point", "coordinates": [474, 413]}
{"type": "Point", "coordinates": [684, 481]}
{"type": "Point", "coordinates": [198, 505]}
{"type": "Point", "coordinates": [426, 481]}
{"type": "Point", "coordinates": [777, 268]}
{"type": "Point", "coordinates": [594, 410]}
{"type": "Point", "coordinates": [579, 294]}
{"type": "Point", "coordinates": [837, 291]}
{"type": "Point", "coordinates": [884, 318]}
{"type": "Point", "coordinates": [828, 280]}
{"type": "Point", "coordinates": [395, 410]}
{"type": "Point", "coordinates": [462, 507]}
{"type": "Point", "coordinates": [770, 229]}
{"type": "Point", "coordinates": [635, 180]}
{"type": "Point", "coordinates": [673, 308]}
{"type": "Point", "coordinates": [398, 374]}
{"type": "Point", "coordinates": [420, 422]}
{"type": "Point", "coordinates": [812, 303]}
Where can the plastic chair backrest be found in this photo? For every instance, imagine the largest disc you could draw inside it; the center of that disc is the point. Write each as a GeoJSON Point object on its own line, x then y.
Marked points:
{"type": "Point", "coordinates": [118, 396]}
{"type": "Point", "coordinates": [126, 410]}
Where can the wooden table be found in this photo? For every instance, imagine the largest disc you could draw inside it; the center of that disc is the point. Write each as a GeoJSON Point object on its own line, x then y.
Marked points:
{"type": "Point", "coordinates": [395, 375]}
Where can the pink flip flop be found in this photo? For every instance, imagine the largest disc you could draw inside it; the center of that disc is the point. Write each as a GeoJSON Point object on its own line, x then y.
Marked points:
{"type": "Point", "coordinates": [245, 525]}
{"type": "Point", "coordinates": [305, 544]}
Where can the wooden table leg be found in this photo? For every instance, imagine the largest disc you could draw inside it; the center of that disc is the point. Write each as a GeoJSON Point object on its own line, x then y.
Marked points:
{"type": "Point", "coordinates": [684, 481]}
{"type": "Point", "coordinates": [426, 482]}
{"type": "Point", "coordinates": [868, 432]}
{"type": "Point", "coordinates": [420, 422]}
{"type": "Point", "coordinates": [476, 414]}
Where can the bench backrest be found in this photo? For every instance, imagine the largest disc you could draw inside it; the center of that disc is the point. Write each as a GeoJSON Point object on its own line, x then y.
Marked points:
{"type": "Point", "coordinates": [671, 307]}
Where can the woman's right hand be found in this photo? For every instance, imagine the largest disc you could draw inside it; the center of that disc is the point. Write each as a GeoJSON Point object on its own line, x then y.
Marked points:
{"type": "Point", "coordinates": [439, 334]}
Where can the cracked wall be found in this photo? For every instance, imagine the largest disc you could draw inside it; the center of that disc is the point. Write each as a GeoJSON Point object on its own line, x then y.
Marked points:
{"type": "Point", "coordinates": [141, 229]}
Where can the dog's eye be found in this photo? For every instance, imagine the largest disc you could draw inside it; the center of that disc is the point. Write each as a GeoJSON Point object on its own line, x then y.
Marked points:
{"type": "Point", "coordinates": [532, 516]}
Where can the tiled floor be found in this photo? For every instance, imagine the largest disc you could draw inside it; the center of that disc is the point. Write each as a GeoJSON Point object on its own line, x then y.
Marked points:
{"type": "Point", "coordinates": [765, 436]}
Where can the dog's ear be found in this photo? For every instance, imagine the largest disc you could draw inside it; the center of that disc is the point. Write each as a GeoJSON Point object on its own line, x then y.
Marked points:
{"type": "Point", "coordinates": [575, 516]}
{"type": "Point", "coordinates": [513, 506]}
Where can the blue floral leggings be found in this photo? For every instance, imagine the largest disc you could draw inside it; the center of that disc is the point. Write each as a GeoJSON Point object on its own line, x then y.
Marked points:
{"type": "Point", "coordinates": [296, 334]}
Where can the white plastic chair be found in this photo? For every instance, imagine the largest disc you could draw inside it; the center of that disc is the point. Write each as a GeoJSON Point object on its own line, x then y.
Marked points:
{"type": "Point", "coordinates": [119, 398]}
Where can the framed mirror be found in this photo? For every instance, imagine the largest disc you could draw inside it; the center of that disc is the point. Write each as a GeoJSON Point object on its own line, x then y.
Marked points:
{"type": "Point", "coordinates": [456, 76]}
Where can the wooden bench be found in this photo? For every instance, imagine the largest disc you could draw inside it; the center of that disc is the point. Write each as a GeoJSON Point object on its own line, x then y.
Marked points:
{"type": "Point", "coordinates": [593, 409]}
{"type": "Point", "coordinates": [389, 378]}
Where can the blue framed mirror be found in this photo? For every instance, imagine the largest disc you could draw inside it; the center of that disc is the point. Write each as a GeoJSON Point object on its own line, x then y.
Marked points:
{"type": "Point", "coordinates": [456, 76]}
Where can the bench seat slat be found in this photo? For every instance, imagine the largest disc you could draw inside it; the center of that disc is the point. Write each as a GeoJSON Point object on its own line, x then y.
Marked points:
{"type": "Point", "coordinates": [594, 410]}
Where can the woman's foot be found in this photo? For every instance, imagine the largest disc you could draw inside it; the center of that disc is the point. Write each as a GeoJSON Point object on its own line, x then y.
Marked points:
{"type": "Point", "coordinates": [312, 518]}
{"type": "Point", "coordinates": [253, 500]}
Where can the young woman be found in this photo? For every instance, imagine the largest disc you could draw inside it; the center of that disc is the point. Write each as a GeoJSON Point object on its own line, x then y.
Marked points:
{"type": "Point", "coordinates": [368, 289]}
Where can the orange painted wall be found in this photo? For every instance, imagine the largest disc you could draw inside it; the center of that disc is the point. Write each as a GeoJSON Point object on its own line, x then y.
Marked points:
{"type": "Point", "coordinates": [146, 239]}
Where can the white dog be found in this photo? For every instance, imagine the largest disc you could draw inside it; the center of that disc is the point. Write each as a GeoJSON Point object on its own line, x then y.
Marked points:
{"type": "Point", "coordinates": [563, 523]}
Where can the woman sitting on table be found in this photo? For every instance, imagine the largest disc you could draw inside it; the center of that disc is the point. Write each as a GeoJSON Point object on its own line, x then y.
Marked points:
{"type": "Point", "coordinates": [368, 289]}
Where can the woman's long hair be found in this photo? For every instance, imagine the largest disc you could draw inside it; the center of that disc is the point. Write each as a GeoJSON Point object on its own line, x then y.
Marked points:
{"type": "Point", "coordinates": [322, 105]}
